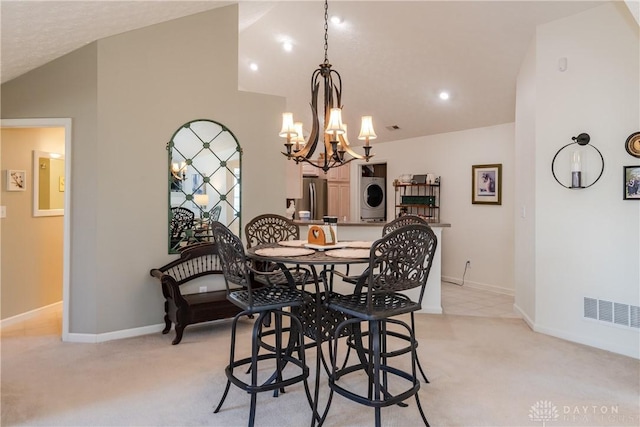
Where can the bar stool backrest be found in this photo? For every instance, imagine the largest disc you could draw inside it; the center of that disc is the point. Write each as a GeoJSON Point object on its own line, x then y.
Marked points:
{"type": "Point", "coordinates": [270, 228]}
{"type": "Point", "coordinates": [401, 221]}
{"type": "Point", "coordinates": [401, 260]}
{"type": "Point", "coordinates": [232, 258]}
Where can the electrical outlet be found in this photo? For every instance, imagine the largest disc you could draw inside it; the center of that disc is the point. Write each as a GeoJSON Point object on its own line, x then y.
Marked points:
{"type": "Point", "coordinates": [203, 289]}
{"type": "Point", "coordinates": [468, 264]}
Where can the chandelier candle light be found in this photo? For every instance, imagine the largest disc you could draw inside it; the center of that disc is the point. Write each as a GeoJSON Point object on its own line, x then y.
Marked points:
{"type": "Point", "coordinates": [178, 170]}
{"type": "Point", "coordinates": [337, 150]}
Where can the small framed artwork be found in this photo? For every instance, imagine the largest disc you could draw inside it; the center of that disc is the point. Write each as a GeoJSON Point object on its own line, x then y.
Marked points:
{"type": "Point", "coordinates": [486, 184]}
{"type": "Point", "coordinates": [16, 180]}
{"type": "Point", "coordinates": [631, 182]}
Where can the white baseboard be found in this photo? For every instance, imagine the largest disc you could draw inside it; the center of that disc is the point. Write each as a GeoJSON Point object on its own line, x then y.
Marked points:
{"type": "Point", "coordinates": [434, 309]}
{"type": "Point", "coordinates": [115, 335]}
{"type": "Point", "coordinates": [631, 350]}
{"type": "Point", "coordinates": [524, 316]}
{"type": "Point", "coordinates": [56, 306]}
{"type": "Point", "coordinates": [480, 286]}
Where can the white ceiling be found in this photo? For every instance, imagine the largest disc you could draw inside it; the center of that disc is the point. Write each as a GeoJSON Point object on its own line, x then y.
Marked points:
{"type": "Point", "coordinates": [394, 57]}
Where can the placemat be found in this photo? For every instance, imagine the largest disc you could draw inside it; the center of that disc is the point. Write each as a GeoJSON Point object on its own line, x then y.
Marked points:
{"type": "Point", "coordinates": [326, 247]}
{"type": "Point", "coordinates": [284, 251]}
{"type": "Point", "coordinates": [359, 244]}
{"type": "Point", "coordinates": [348, 253]}
{"type": "Point", "coordinates": [293, 243]}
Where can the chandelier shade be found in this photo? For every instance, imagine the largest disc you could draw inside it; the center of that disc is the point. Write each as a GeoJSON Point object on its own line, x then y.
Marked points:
{"type": "Point", "coordinates": [366, 130]}
{"type": "Point", "coordinates": [333, 134]}
{"type": "Point", "coordinates": [288, 128]}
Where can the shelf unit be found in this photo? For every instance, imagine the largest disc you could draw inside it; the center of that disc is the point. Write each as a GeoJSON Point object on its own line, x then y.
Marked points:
{"type": "Point", "coordinates": [418, 199]}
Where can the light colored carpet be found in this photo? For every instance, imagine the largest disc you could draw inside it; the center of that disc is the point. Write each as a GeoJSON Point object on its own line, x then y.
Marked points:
{"type": "Point", "coordinates": [483, 372]}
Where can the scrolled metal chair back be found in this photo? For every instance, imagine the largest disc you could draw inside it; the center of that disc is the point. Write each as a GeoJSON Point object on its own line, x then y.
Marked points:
{"type": "Point", "coordinates": [181, 219]}
{"type": "Point", "coordinates": [232, 256]}
{"type": "Point", "coordinates": [402, 221]}
{"type": "Point", "coordinates": [214, 215]}
{"type": "Point", "coordinates": [270, 228]}
{"type": "Point", "coordinates": [401, 260]}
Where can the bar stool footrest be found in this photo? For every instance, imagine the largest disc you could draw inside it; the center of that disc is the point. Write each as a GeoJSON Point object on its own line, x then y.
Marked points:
{"type": "Point", "coordinates": [388, 400]}
{"type": "Point", "coordinates": [271, 384]}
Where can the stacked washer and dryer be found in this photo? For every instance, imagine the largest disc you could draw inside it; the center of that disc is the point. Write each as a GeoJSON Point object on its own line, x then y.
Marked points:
{"type": "Point", "coordinates": [373, 200]}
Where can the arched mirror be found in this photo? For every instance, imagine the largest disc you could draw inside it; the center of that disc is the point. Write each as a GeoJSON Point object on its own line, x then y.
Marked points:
{"type": "Point", "coordinates": [204, 182]}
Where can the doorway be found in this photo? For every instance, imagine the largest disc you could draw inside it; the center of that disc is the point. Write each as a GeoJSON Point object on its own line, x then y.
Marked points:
{"type": "Point", "coordinates": [373, 188]}
{"type": "Point", "coordinates": [24, 237]}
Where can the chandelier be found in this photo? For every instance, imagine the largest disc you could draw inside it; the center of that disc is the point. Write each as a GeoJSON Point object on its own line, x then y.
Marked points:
{"type": "Point", "coordinates": [337, 150]}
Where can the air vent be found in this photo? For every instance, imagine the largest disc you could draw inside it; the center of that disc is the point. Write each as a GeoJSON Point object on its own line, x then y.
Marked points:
{"type": "Point", "coordinates": [634, 316]}
{"type": "Point", "coordinates": [591, 308]}
{"type": "Point", "coordinates": [393, 127]}
{"type": "Point", "coordinates": [620, 314]}
{"type": "Point", "coordinates": [612, 312]}
{"type": "Point", "coordinates": [605, 311]}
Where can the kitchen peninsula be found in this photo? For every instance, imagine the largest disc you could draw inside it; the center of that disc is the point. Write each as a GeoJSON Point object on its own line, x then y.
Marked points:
{"type": "Point", "coordinates": [370, 231]}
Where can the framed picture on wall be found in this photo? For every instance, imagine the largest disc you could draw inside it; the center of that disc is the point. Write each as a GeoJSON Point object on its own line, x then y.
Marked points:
{"type": "Point", "coordinates": [631, 183]}
{"type": "Point", "coordinates": [16, 180]}
{"type": "Point", "coordinates": [486, 184]}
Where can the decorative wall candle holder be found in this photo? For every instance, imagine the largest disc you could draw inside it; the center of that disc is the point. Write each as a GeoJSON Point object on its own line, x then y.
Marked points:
{"type": "Point", "coordinates": [580, 145]}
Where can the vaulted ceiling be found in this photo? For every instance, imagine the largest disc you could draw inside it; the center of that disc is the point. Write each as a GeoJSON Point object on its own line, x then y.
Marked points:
{"type": "Point", "coordinates": [395, 57]}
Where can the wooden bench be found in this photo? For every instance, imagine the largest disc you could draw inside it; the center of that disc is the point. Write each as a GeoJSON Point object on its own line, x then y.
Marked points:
{"type": "Point", "coordinates": [183, 310]}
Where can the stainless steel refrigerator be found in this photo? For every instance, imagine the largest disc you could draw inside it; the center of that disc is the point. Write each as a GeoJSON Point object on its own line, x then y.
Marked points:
{"type": "Point", "coordinates": [314, 197]}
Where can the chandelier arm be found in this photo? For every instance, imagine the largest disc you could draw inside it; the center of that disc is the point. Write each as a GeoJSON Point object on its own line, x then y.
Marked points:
{"type": "Point", "coordinates": [311, 144]}
{"type": "Point", "coordinates": [337, 87]}
{"type": "Point", "coordinates": [344, 143]}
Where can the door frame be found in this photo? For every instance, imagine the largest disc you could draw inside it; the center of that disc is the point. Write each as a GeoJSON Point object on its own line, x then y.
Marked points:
{"type": "Point", "coordinates": [356, 173]}
{"type": "Point", "coordinates": [65, 123]}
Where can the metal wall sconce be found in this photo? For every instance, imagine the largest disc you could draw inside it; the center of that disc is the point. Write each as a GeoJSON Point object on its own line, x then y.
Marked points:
{"type": "Point", "coordinates": [577, 183]}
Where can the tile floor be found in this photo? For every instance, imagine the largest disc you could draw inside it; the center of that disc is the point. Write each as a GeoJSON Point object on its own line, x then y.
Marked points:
{"type": "Point", "coordinates": [466, 301]}
{"type": "Point", "coordinates": [457, 300]}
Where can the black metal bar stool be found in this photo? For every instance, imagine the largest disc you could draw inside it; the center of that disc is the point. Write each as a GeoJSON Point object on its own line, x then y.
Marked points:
{"type": "Point", "coordinates": [393, 225]}
{"type": "Point", "coordinates": [399, 261]}
{"type": "Point", "coordinates": [264, 301]}
{"type": "Point", "coordinates": [273, 228]}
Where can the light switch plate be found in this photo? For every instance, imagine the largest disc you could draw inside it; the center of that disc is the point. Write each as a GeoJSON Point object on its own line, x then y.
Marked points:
{"type": "Point", "coordinates": [3, 211]}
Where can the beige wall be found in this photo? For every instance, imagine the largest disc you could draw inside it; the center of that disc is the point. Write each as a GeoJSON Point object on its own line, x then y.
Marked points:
{"type": "Point", "coordinates": [126, 96]}
{"type": "Point", "coordinates": [31, 246]}
{"type": "Point", "coordinates": [66, 87]}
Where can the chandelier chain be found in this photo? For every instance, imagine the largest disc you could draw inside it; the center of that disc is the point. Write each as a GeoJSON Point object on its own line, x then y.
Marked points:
{"type": "Point", "coordinates": [326, 31]}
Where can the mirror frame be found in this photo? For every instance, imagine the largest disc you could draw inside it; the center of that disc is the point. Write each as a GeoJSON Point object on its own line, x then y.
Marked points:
{"type": "Point", "coordinates": [207, 145]}
{"type": "Point", "coordinates": [37, 212]}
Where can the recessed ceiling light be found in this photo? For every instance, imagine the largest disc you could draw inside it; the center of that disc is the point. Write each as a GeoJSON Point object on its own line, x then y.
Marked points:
{"type": "Point", "coordinates": [336, 19]}
{"type": "Point", "coordinates": [253, 66]}
{"type": "Point", "coordinates": [444, 95]}
{"type": "Point", "coordinates": [287, 46]}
